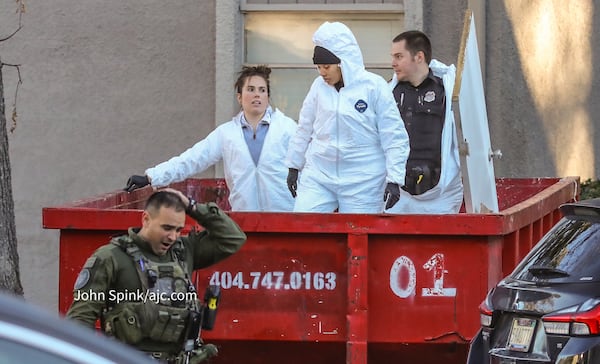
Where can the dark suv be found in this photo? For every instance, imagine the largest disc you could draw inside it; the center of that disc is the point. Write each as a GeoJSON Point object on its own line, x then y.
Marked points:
{"type": "Point", "coordinates": [548, 309]}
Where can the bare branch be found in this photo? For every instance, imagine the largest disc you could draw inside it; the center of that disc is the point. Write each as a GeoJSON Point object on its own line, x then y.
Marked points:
{"type": "Point", "coordinates": [10, 65]}
{"type": "Point", "coordinates": [11, 35]}
{"type": "Point", "coordinates": [14, 105]}
{"type": "Point", "coordinates": [20, 11]}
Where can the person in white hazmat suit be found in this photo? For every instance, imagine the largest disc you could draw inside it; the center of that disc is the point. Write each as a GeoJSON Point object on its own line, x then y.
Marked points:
{"type": "Point", "coordinates": [423, 90]}
{"type": "Point", "coordinates": [351, 145]}
{"type": "Point", "coordinates": [252, 147]}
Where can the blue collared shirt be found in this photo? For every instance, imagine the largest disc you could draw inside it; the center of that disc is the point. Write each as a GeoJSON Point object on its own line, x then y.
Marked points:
{"type": "Point", "coordinates": [256, 139]}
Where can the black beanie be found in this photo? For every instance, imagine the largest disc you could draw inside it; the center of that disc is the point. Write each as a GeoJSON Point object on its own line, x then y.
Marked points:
{"type": "Point", "coordinates": [323, 56]}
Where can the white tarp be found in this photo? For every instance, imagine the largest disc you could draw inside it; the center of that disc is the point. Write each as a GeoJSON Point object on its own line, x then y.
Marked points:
{"type": "Point", "coordinates": [472, 127]}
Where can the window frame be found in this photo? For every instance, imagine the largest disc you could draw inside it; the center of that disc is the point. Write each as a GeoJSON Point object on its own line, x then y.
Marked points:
{"type": "Point", "coordinates": [370, 12]}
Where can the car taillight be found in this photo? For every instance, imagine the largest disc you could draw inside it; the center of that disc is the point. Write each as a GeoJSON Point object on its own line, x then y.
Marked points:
{"type": "Point", "coordinates": [557, 328]}
{"type": "Point", "coordinates": [485, 314]}
{"type": "Point", "coordinates": [581, 320]}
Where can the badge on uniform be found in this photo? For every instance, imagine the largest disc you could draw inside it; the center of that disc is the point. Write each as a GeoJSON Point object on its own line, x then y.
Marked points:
{"type": "Point", "coordinates": [429, 96]}
{"type": "Point", "coordinates": [84, 275]}
{"type": "Point", "coordinates": [361, 106]}
{"type": "Point", "coordinates": [82, 278]}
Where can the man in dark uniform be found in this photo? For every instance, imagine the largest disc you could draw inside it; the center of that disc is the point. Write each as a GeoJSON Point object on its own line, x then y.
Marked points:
{"type": "Point", "coordinates": [421, 93]}
{"type": "Point", "coordinates": [139, 284]}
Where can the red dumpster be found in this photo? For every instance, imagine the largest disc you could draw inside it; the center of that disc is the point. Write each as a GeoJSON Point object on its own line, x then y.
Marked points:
{"type": "Point", "coordinates": [335, 288]}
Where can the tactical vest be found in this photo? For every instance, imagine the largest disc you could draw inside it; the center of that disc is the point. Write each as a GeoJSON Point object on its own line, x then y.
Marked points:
{"type": "Point", "coordinates": [423, 110]}
{"type": "Point", "coordinates": [168, 295]}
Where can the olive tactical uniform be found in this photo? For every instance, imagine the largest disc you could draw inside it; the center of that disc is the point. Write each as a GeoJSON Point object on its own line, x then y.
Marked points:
{"type": "Point", "coordinates": [144, 299]}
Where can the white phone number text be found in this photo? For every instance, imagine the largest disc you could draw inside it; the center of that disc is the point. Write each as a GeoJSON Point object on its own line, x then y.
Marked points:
{"type": "Point", "coordinates": [275, 280]}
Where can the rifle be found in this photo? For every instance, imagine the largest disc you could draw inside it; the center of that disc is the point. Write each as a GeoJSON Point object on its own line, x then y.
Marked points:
{"type": "Point", "coordinates": [194, 350]}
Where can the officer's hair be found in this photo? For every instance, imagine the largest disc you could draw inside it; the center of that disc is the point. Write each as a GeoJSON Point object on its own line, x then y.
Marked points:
{"type": "Point", "coordinates": [248, 71]}
{"type": "Point", "coordinates": [164, 199]}
{"type": "Point", "coordinates": [416, 41]}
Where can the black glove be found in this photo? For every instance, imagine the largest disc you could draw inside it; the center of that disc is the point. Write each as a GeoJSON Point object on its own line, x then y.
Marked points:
{"type": "Point", "coordinates": [391, 195]}
{"type": "Point", "coordinates": [292, 181]}
{"type": "Point", "coordinates": [134, 182]}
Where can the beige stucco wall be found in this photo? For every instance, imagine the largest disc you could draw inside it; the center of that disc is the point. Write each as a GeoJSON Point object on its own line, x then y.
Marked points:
{"type": "Point", "coordinates": [109, 88]}
{"type": "Point", "coordinates": [540, 74]}
{"type": "Point", "coordinates": [543, 86]}
{"type": "Point", "coordinates": [112, 87]}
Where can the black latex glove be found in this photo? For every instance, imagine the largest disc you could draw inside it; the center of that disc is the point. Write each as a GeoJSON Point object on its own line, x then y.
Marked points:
{"type": "Point", "coordinates": [292, 181]}
{"type": "Point", "coordinates": [134, 182]}
{"type": "Point", "coordinates": [391, 195]}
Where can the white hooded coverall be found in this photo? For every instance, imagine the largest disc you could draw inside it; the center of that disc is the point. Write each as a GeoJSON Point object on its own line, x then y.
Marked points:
{"type": "Point", "coordinates": [349, 143]}
{"type": "Point", "coordinates": [447, 196]}
{"type": "Point", "coordinates": [261, 187]}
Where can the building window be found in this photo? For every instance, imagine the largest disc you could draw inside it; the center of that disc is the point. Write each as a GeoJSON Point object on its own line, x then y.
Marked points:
{"type": "Point", "coordinates": [283, 40]}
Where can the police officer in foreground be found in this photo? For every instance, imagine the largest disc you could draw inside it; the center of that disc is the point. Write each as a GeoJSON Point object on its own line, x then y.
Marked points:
{"type": "Point", "coordinates": [139, 284]}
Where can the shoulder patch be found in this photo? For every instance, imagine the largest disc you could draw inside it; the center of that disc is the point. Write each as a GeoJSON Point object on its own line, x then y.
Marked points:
{"type": "Point", "coordinates": [82, 279]}
{"type": "Point", "coordinates": [89, 264]}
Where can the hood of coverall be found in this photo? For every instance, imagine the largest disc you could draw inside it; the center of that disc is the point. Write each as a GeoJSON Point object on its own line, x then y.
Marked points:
{"type": "Point", "coordinates": [338, 39]}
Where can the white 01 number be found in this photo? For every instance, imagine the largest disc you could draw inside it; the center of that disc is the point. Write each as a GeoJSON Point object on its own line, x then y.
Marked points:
{"type": "Point", "coordinates": [404, 267]}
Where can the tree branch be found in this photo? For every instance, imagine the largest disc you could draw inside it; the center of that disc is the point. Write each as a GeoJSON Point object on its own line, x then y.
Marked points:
{"type": "Point", "coordinates": [19, 82]}
{"type": "Point", "coordinates": [10, 36]}
{"type": "Point", "coordinates": [20, 11]}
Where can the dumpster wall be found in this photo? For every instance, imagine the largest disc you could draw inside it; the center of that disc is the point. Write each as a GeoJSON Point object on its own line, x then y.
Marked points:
{"type": "Point", "coordinates": [329, 288]}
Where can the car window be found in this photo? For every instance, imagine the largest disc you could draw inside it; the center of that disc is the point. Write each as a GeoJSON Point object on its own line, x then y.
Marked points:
{"type": "Point", "coordinates": [12, 352]}
{"type": "Point", "coordinates": [568, 253]}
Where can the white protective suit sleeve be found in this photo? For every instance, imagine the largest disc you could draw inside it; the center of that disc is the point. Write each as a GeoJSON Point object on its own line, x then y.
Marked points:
{"type": "Point", "coordinates": [195, 160]}
{"type": "Point", "coordinates": [394, 139]}
{"type": "Point", "coordinates": [299, 142]}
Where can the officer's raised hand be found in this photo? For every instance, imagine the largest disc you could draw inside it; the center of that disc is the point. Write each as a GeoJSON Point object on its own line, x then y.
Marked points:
{"type": "Point", "coordinates": [292, 181]}
{"type": "Point", "coordinates": [134, 182]}
{"type": "Point", "coordinates": [391, 195]}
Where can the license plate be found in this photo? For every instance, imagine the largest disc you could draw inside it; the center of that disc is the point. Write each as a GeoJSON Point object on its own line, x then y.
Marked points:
{"type": "Point", "coordinates": [521, 334]}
